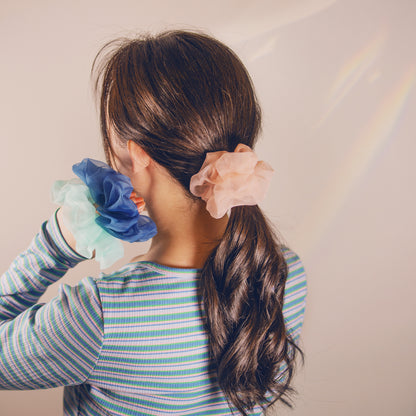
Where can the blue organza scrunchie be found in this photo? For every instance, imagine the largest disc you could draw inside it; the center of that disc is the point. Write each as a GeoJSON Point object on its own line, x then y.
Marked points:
{"type": "Point", "coordinates": [111, 190]}
{"type": "Point", "coordinates": [99, 212]}
{"type": "Point", "coordinates": [79, 216]}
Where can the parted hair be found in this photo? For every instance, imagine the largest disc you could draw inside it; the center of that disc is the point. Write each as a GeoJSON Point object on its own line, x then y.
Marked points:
{"type": "Point", "coordinates": [179, 95]}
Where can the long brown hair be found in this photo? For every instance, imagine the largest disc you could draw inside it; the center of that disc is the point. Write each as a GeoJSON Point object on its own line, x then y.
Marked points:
{"type": "Point", "coordinates": [180, 95]}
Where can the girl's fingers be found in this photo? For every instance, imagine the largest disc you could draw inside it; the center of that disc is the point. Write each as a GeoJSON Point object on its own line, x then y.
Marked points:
{"type": "Point", "coordinates": [140, 205]}
{"type": "Point", "coordinates": [138, 201]}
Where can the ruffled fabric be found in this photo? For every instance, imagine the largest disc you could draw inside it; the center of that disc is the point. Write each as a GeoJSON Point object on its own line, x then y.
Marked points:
{"type": "Point", "coordinates": [79, 216]}
{"type": "Point", "coordinates": [111, 191]}
{"type": "Point", "coordinates": [229, 179]}
{"type": "Point", "coordinates": [100, 209]}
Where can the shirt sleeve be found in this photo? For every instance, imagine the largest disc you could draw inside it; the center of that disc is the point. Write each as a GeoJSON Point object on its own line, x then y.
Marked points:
{"type": "Point", "coordinates": [295, 295]}
{"type": "Point", "coordinates": [53, 344]}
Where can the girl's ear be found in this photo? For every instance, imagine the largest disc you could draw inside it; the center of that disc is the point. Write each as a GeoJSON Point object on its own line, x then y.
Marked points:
{"type": "Point", "coordinates": [139, 158]}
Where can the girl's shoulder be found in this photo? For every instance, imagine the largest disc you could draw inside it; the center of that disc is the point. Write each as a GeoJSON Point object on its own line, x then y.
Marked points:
{"type": "Point", "coordinates": [294, 265]}
{"type": "Point", "coordinates": [144, 272]}
{"type": "Point", "coordinates": [295, 293]}
{"type": "Point", "coordinates": [135, 270]}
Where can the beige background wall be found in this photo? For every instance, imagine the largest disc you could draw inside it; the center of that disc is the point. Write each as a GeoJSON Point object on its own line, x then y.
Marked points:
{"type": "Point", "coordinates": [337, 83]}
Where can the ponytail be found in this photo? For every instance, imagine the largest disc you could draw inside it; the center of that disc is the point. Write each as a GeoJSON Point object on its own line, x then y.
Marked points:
{"type": "Point", "coordinates": [242, 290]}
{"type": "Point", "coordinates": [180, 95]}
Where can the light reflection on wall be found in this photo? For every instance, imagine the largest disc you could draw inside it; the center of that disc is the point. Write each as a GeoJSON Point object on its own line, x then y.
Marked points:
{"type": "Point", "coordinates": [352, 72]}
{"type": "Point", "coordinates": [373, 137]}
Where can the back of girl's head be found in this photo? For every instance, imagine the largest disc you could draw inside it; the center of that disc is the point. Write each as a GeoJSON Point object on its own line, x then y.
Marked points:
{"type": "Point", "coordinates": [178, 95]}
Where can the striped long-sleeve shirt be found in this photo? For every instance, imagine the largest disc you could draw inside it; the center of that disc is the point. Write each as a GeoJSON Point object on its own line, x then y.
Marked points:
{"type": "Point", "coordinates": [127, 343]}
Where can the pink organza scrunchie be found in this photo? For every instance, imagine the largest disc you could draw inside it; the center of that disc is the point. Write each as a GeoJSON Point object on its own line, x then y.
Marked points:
{"type": "Point", "coordinates": [229, 179]}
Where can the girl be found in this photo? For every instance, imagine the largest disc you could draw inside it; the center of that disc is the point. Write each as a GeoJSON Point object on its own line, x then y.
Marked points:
{"type": "Point", "coordinates": [206, 322]}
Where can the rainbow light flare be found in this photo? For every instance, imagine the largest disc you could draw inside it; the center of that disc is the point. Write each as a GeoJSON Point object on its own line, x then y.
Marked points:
{"type": "Point", "coordinates": [352, 72]}
{"type": "Point", "coordinates": [372, 138]}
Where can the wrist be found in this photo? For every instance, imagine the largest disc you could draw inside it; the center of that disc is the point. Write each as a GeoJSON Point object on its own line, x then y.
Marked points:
{"type": "Point", "coordinates": [66, 234]}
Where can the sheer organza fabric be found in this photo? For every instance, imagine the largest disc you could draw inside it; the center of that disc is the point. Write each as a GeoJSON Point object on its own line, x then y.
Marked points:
{"type": "Point", "coordinates": [229, 179]}
{"type": "Point", "coordinates": [97, 209]}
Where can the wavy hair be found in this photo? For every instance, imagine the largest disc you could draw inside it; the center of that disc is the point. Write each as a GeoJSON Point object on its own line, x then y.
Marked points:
{"type": "Point", "coordinates": [180, 95]}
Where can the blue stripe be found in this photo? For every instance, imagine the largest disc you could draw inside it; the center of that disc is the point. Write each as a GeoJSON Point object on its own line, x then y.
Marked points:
{"type": "Point", "coordinates": [131, 342]}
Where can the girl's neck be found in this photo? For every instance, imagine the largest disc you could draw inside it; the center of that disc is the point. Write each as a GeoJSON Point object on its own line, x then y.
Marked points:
{"type": "Point", "coordinates": [186, 235]}
{"type": "Point", "coordinates": [186, 231]}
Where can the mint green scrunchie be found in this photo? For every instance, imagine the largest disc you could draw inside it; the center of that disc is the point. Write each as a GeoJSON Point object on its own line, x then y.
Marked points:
{"type": "Point", "coordinates": [79, 215]}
